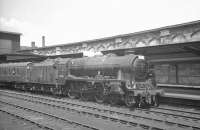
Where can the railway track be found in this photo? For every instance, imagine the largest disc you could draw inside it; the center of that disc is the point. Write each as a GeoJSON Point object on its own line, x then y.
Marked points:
{"type": "Point", "coordinates": [42, 119]}
{"type": "Point", "coordinates": [20, 117]}
{"type": "Point", "coordinates": [156, 110]}
{"type": "Point", "coordinates": [81, 118]}
{"type": "Point", "coordinates": [155, 118]}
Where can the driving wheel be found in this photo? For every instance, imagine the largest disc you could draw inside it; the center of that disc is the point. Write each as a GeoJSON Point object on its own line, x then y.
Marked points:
{"type": "Point", "coordinates": [71, 93]}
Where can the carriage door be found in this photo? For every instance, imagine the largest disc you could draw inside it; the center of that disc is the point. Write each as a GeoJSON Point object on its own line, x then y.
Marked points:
{"type": "Point", "coordinates": [28, 73]}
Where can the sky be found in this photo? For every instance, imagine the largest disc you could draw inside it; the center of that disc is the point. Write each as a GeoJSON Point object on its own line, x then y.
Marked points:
{"type": "Point", "coordinates": [67, 21]}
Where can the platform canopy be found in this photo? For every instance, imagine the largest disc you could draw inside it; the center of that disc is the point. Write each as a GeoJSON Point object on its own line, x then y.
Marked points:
{"type": "Point", "coordinates": [178, 52]}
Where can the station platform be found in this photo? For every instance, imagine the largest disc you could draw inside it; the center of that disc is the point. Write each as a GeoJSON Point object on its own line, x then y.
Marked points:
{"type": "Point", "coordinates": [182, 96]}
{"type": "Point", "coordinates": [179, 86]}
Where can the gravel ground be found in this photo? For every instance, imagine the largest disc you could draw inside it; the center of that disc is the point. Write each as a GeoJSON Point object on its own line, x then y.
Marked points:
{"type": "Point", "coordinates": [9, 122]}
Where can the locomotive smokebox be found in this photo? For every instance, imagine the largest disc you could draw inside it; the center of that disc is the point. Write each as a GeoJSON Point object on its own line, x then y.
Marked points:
{"type": "Point", "coordinates": [140, 68]}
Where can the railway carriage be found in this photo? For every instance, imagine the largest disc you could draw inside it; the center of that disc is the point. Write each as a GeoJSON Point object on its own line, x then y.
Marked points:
{"type": "Point", "coordinates": [15, 75]}
{"type": "Point", "coordinates": [102, 78]}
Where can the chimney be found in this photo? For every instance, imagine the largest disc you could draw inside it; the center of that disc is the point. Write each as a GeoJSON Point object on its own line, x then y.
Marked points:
{"type": "Point", "coordinates": [33, 44]}
{"type": "Point", "coordinates": [43, 41]}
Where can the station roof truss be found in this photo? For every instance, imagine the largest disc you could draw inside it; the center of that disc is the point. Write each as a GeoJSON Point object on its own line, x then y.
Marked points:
{"type": "Point", "coordinates": [114, 37]}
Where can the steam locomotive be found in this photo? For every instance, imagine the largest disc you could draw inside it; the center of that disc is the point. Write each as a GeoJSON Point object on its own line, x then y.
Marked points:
{"type": "Point", "coordinates": [107, 78]}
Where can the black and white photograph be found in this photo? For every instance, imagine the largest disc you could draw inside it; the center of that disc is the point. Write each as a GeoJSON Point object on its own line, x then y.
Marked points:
{"type": "Point", "coordinates": [99, 65]}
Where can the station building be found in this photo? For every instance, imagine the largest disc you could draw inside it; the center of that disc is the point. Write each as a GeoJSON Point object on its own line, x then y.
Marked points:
{"type": "Point", "coordinates": [9, 42]}
{"type": "Point", "coordinates": [9, 47]}
{"type": "Point", "coordinates": [173, 51]}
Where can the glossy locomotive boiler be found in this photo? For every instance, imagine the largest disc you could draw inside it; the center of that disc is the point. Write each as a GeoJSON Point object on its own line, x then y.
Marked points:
{"type": "Point", "coordinates": [107, 78]}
